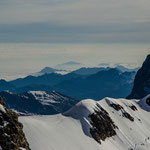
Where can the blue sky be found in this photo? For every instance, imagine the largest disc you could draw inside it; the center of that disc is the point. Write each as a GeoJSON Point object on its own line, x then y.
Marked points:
{"type": "Point", "coordinates": [44, 32]}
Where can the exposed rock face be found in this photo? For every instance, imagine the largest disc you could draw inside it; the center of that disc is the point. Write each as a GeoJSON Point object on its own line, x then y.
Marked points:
{"type": "Point", "coordinates": [133, 107]}
{"type": "Point", "coordinates": [125, 114]}
{"type": "Point", "coordinates": [141, 86]}
{"type": "Point", "coordinates": [102, 125]}
{"type": "Point", "coordinates": [117, 107]}
{"type": "Point", "coordinates": [11, 133]}
{"type": "Point", "coordinates": [128, 116]}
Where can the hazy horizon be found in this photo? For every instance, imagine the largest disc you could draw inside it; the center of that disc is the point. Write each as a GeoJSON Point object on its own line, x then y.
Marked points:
{"type": "Point", "coordinates": [20, 59]}
{"type": "Point", "coordinates": [40, 33]}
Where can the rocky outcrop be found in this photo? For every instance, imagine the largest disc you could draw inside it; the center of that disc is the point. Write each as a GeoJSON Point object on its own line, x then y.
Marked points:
{"type": "Point", "coordinates": [134, 108]}
{"type": "Point", "coordinates": [11, 131]}
{"type": "Point", "coordinates": [125, 114]}
{"type": "Point", "coordinates": [128, 116]}
{"type": "Point", "coordinates": [117, 107]}
{"type": "Point", "coordinates": [102, 125]}
{"type": "Point", "coordinates": [141, 86]}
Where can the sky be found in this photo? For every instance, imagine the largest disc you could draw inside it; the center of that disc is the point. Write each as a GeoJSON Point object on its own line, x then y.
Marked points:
{"type": "Point", "coordinates": [39, 33]}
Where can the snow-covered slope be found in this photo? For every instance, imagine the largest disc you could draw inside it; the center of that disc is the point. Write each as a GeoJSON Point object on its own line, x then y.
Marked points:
{"type": "Point", "coordinates": [117, 124]}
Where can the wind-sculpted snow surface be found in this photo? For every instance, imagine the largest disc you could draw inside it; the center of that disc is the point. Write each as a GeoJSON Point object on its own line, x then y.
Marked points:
{"type": "Point", "coordinates": [116, 124]}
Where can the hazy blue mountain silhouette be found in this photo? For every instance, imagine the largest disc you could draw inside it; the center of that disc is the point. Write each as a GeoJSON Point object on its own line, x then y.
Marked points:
{"type": "Point", "coordinates": [107, 82]}
{"type": "Point", "coordinates": [4, 85]}
{"type": "Point", "coordinates": [111, 83]}
{"type": "Point", "coordinates": [89, 71]}
{"type": "Point", "coordinates": [46, 79]}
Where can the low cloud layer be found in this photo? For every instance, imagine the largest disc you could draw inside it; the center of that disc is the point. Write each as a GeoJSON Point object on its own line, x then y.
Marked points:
{"type": "Point", "coordinates": [19, 59]}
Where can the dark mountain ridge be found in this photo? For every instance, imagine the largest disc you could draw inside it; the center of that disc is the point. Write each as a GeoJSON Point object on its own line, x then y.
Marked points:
{"type": "Point", "coordinates": [112, 83]}
{"type": "Point", "coordinates": [46, 79]}
{"type": "Point", "coordinates": [142, 81]}
{"type": "Point", "coordinates": [38, 102]}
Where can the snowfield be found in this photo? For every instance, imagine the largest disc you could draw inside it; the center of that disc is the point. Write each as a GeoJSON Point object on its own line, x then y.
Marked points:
{"type": "Point", "coordinates": [71, 130]}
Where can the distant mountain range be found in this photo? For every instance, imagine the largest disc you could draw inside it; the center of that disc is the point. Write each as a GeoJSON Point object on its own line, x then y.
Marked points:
{"type": "Point", "coordinates": [83, 70]}
{"type": "Point", "coordinates": [124, 69]}
{"type": "Point", "coordinates": [89, 71]}
{"type": "Point", "coordinates": [82, 83]}
{"type": "Point", "coordinates": [93, 70]}
{"type": "Point", "coordinates": [38, 102]}
{"type": "Point", "coordinates": [119, 66]}
{"type": "Point", "coordinates": [46, 79]}
{"type": "Point", "coordinates": [111, 82]}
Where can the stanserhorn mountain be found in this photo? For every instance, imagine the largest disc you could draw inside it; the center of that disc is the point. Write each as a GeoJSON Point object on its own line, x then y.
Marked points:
{"type": "Point", "coordinates": [142, 81]}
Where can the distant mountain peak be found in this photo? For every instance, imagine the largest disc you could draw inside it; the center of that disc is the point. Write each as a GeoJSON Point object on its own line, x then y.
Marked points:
{"type": "Point", "coordinates": [72, 63]}
{"type": "Point", "coordinates": [49, 70]}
